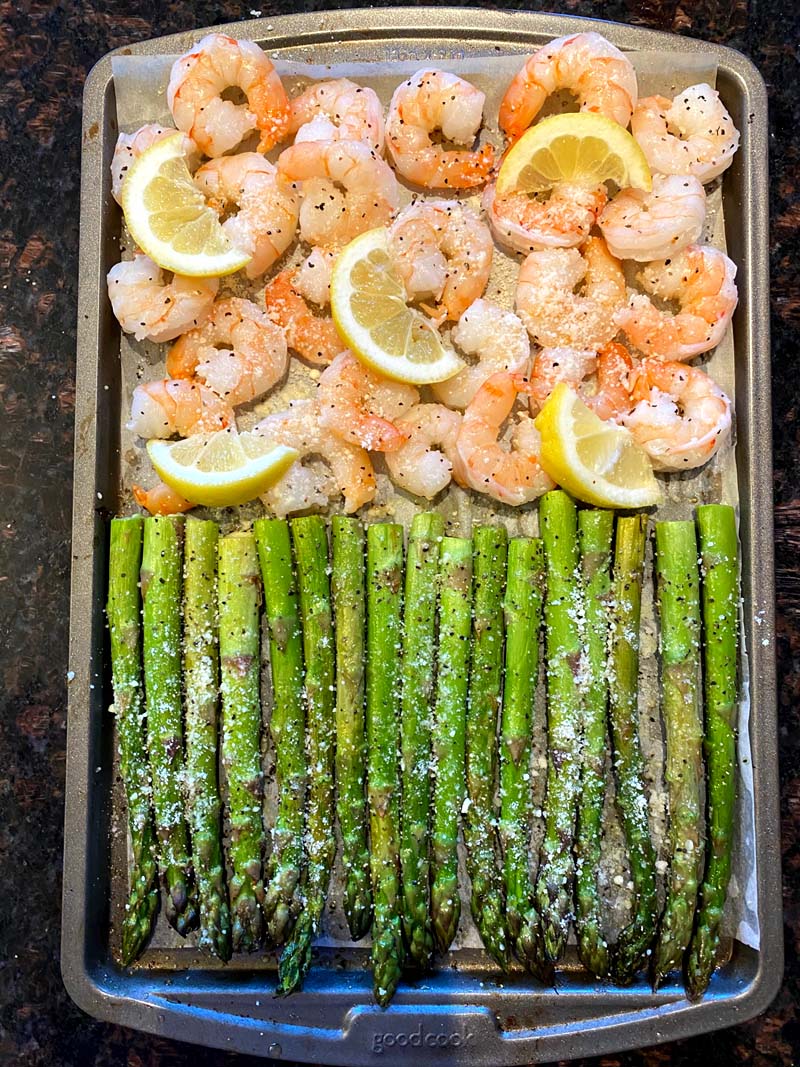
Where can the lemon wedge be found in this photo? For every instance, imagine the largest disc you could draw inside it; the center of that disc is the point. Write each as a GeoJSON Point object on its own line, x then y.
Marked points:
{"type": "Point", "coordinates": [222, 468]}
{"type": "Point", "coordinates": [593, 460]}
{"type": "Point", "coordinates": [578, 147]}
{"type": "Point", "coordinates": [368, 301]}
{"type": "Point", "coordinates": [169, 218]}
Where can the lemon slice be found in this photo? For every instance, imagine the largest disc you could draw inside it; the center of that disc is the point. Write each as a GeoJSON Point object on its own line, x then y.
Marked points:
{"type": "Point", "coordinates": [579, 147]}
{"type": "Point", "coordinates": [594, 460]}
{"type": "Point", "coordinates": [368, 301]}
{"type": "Point", "coordinates": [169, 218]}
{"type": "Point", "coordinates": [222, 468]}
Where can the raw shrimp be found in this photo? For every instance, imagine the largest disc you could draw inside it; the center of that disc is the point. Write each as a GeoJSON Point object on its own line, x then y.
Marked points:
{"type": "Point", "coordinates": [153, 309]}
{"type": "Point", "coordinates": [599, 75]}
{"type": "Point", "coordinates": [239, 352]}
{"type": "Point", "coordinates": [681, 418]}
{"type": "Point", "coordinates": [266, 207]}
{"type": "Point", "coordinates": [338, 110]}
{"type": "Point", "coordinates": [161, 500]}
{"type": "Point", "coordinates": [300, 427]}
{"type": "Point", "coordinates": [347, 189]}
{"type": "Point", "coordinates": [512, 476]}
{"type": "Point", "coordinates": [499, 340]}
{"type": "Point", "coordinates": [443, 251]}
{"type": "Point", "coordinates": [200, 78]}
{"type": "Point", "coordinates": [424, 464]}
{"type": "Point", "coordinates": [647, 226]}
{"type": "Point", "coordinates": [434, 100]}
{"type": "Point", "coordinates": [701, 279]}
{"type": "Point", "coordinates": [362, 407]}
{"type": "Point", "coordinates": [603, 379]}
{"type": "Point", "coordinates": [553, 313]}
{"type": "Point", "coordinates": [312, 278]}
{"type": "Point", "coordinates": [131, 145]}
{"type": "Point", "coordinates": [692, 134]}
{"type": "Point", "coordinates": [177, 406]}
{"type": "Point", "coordinates": [525, 223]}
{"type": "Point", "coordinates": [313, 337]}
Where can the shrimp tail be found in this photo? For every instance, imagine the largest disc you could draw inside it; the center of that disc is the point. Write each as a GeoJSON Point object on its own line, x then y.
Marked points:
{"type": "Point", "coordinates": [161, 500]}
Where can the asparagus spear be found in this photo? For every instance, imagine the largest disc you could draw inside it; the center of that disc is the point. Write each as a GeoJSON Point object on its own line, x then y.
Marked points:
{"type": "Point", "coordinates": [717, 526]}
{"type": "Point", "coordinates": [595, 530]}
{"type": "Point", "coordinates": [384, 603]}
{"type": "Point", "coordinates": [126, 669]}
{"type": "Point", "coordinates": [679, 608]}
{"type": "Point", "coordinates": [283, 896]}
{"type": "Point", "coordinates": [455, 622]}
{"type": "Point", "coordinates": [310, 541]}
{"type": "Point", "coordinates": [161, 594]}
{"type": "Point", "coordinates": [563, 642]}
{"type": "Point", "coordinates": [347, 584]}
{"type": "Point", "coordinates": [239, 597]}
{"type": "Point", "coordinates": [201, 685]}
{"type": "Point", "coordinates": [523, 619]}
{"type": "Point", "coordinates": [487, 899]}
{"type": "Point", "coordinates": [419, 641]}
{"type": "Point", "coordinates": [634, 940]}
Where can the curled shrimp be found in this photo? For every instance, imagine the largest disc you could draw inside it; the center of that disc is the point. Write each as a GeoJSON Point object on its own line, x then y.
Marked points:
{"type": "Point", "coordinates": [351, 472]}
{"type": "Point", "coordinates": [161, 500]}
{"type": "Point", "coordinates": [153, 309]}
{"type": "Point", "coordinates": [312, 278]}
{"type": "Point", "coordinates": [300, 489]}
{"type": "Point", "coordinates": [647, 226]}
{"type": "Point", "coordinates": [701, 279]}
{"type": "Point", "coordinates": [434, 100]}
{"type": "Point", "coordinates": [603, 379]}
{"type": "Point", "coordinates": [338, 110]}
{"type": "Point", "coordinates": [563, 220]}
{"type": "Point", "coordinates": [238, 352]}
{"type": "Point", "coordinates": [554, 314]}
{"type": "Point", "coordinates": [260, 208]}
{"type": "Point", "coordinates": [347, 189]}
{"type": "Point", "coordinates": [601, 77]}
{"type": "Point", "coordinates": [195, 97]}
{"type": "Point", "coordinates": [177, 406]}
{"type": "Point", "coordinates": [512, 476]}
{"type": "Point", "coordinates": [692, 134]}
{"type": "Point", "coordinates": [362, 407]}
{"type": "Point", "coordinates": [313, 337]}
{"type": "Point", "coordinates": [680, 417]}
{"type": "Point", "coordinates": [131, 145]}
{"type": "Point", "coordinates": [424, 464]}
{"type": "Point", "coordinates": [499, 340]}
{"type": "Point", "coordinates": [442, 251]}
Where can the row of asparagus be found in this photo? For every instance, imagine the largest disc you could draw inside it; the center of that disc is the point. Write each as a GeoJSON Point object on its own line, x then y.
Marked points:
{"type": "Point", "coordinates": [419, 666]}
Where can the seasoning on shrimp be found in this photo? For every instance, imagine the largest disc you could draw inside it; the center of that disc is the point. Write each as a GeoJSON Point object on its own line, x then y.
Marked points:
{"type": "Point", "coordinates": [360, 406]}
{"type": "Point", "coordinates": [603, 379]}
{"type": "Point", "coordinates": [646, 226]}
{"type": "Point", "coordinates": [130, 146]}
{"type": "Point", "coordinates": [313, 337]}
{"type": "Point", "coordinates": [152, 308]}
{"type": "Point", "coordinates": [338, 110]}
{"type": "Point", "coordinates": [561, 220]}
{"type": "Point", "coordinates": [177, 406]}
{"type": "Point", "coordinates": [423, 465]}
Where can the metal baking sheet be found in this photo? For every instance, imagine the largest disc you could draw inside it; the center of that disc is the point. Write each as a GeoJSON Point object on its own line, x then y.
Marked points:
{"type": "Point", "coordinates": [472, 1013]}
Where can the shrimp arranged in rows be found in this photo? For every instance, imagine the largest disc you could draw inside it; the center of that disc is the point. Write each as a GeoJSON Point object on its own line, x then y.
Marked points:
{"type": "Point", "coordinates": [433, 100]}
{"type": "Point", "coordinates": [177, 406]}
{"type": "Point", "coordinates": [238, 352]}
{"type": "Point", "coordinates": [313, 337]}
{"type": "Point", "coordinates": [603, 379]}
{"type": "Point", "coordinates": [680, 417]}
{"type": "Point", "coordinates": [692, 134]}
{"type": "Point", "coordinates": [195, 95]}
{"type": "Point", "coordinates": [554, 314]}
{"type": "Point", "coordinates": [153, 309]}
{"type": "Point", "coordinates": [424, 464]}
{"type": "Point", "coordinates": [260, 208]}
{"type": "Point", "coordinates": [347, 189]}
{"type": "Point", "coordinates": [443, 252]}
{"type": "Point", "coordinates": [600, 76]}
{"type": "Point", "coordinates": [526, 223]}
{"type": "Point", "coordinates": [647, 226]}
{"type": "Point", "coordinates": [499, 340]}
{"type": "Point", "coordinates": [161, 500]}
{"type": "Point", "coordinates": [131, 145]}
{"type": "Point", "coordinates": [300, 427]}
{"type": "Point", "coordinates": [362, 407]}
{"type": "Point", "coordinates": [338, 110]}
{"type": "Point", "coordinates": [702, 280]}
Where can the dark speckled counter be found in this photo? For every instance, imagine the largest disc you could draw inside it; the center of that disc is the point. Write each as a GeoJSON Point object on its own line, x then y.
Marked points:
{"type": "Point", "coordinates": [46, 50]}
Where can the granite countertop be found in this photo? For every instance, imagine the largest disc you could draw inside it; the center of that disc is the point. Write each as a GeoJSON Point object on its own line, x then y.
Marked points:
{"type": "Point", "coordinates": [47, 50]}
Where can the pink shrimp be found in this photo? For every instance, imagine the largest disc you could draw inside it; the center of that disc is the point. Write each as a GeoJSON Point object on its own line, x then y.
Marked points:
{"type": "Point", "coordinates": [131, 145]}
{"type": "Point", "coordinates": [152, 308]}
{"type": "Point", "coordinates": [525, 223]}
{"type": "Point", "coordinates": [313, 337]}
{"type": "Point", "coordinates": [603, 379]}
{"type": "Point", "coordinates": [360, 406]}
{"type": "Point", "coordinates": [338, 110]}
{"type": "Point", "coordinates": [161, 500]}
{"type": "Point", "coordinates": [182, 407]}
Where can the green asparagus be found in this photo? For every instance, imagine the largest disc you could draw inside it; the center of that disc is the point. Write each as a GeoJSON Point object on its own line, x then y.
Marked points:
{"type": "Point", "coordinates": [239, 594]}
{"type": "Point", "coordinates": [124, 625]}
{"type": "Point", "coordinates": [679, 609]}
{"type": "Point", "coordinates": [161, 594]}
{"type": "Point", "coordinates": [718, 547]}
